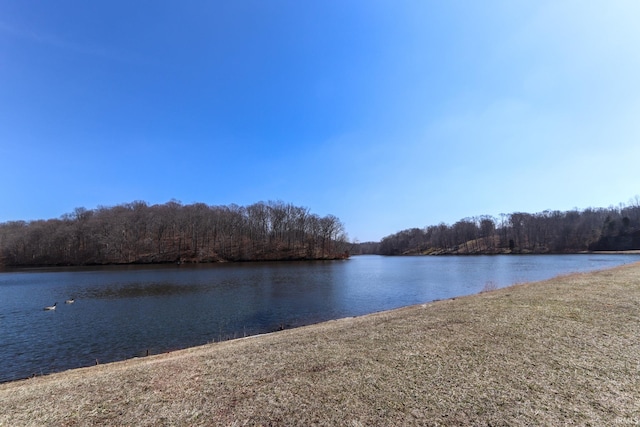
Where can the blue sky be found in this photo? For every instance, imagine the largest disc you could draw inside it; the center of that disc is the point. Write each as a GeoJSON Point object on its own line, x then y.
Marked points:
{"type": "Point", "coordinates": [386, 114]}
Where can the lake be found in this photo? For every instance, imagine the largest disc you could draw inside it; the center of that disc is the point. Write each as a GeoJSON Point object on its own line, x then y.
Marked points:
{"type": "Point", "coordinates": [124, 311]}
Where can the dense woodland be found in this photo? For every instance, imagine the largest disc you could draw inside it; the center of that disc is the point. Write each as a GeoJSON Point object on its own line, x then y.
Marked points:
{"type": "Point", "coordinates": [614, 228]}
{"type": "Point", "coordinates": [173, 232]}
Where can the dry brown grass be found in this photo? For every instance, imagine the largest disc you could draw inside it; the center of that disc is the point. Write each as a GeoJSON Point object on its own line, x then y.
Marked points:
{"type": "Point", "coordinates": [561, 352]}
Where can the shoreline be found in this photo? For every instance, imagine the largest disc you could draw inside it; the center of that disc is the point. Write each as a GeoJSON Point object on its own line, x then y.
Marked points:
{"type": "Point", "coordinates": [560, 350]}
{"type": "Point", "coordinates": [341, 257]}
{"type": "Point", "coordinates": [627, 252]}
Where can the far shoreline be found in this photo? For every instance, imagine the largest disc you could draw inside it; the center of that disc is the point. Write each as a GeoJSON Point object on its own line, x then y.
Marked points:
{"type": "Point", "coordinates": [276, 260]}
{"type": "Point", "coordinates": [508, 253]}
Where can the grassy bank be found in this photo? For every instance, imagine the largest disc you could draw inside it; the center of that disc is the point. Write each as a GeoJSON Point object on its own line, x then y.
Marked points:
{"type": "Point", "coordinates": [563, 351]}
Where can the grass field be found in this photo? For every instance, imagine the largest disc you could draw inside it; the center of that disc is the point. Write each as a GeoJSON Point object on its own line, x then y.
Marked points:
{"type": "Point", "coordinates": [560, 352]}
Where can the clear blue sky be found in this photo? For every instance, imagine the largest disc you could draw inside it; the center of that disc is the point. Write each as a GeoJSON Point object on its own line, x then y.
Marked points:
{"type": "Point", "coordinates": [387, 114]}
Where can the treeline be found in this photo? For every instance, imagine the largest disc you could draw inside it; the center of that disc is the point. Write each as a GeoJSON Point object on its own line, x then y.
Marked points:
{"type": "Point", "coordinates": [172, 232]}
{"type": "Point", "coordinates": [614, 228]}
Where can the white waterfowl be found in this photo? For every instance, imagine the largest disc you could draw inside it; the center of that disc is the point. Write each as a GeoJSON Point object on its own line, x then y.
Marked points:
{"type": "Point", "coordinates": [51, 307]}
{"type": "Point", "coordinates": [70, 301]}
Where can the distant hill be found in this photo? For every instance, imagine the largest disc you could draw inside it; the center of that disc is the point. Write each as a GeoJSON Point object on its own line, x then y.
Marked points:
{"type": "Point", "coordinates": [599, 229]}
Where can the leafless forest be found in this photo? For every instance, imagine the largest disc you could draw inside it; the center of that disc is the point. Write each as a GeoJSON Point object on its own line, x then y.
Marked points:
{"type": "Point", "coordinates": [614, 228]}
{"type": "Point", "coordinates": [173, 232]}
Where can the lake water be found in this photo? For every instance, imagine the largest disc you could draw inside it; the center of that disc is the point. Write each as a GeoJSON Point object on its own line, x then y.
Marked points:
{"type": "Point", "coordinates": [123, 312]}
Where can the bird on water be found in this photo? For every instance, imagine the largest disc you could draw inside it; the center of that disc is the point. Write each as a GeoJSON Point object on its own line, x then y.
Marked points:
{"type": "Point", "coordinates": [51, 307]}
{"type": "Point", "coordinates": [70, 301]}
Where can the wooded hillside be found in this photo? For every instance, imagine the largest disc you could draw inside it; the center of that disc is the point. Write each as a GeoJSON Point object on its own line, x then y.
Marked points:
{"type": "Point", "coordinates": [172, 232]}
{"type": "Point", "coordinates": [614, 228]}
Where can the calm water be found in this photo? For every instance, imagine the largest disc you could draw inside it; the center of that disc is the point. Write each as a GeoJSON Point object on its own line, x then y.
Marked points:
{"type": "Point", "coordinates": [121, 312]}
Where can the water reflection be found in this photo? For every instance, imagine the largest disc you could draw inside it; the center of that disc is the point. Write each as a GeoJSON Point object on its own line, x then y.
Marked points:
{"type": "Point", "coordinates": [139, 290]}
